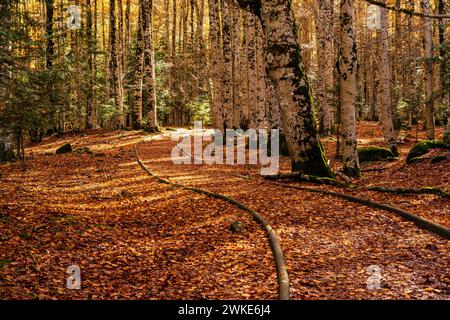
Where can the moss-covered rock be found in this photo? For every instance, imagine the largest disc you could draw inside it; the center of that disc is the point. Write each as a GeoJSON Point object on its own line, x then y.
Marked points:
{"type": "Point", "coordinates": [237, 227]}
{"type": "Point", "coordinates": [424, 147]}
{"type": "Point", "coordinates": [374, 153]}
{"type": "Point", "coordinates": [66, 148]}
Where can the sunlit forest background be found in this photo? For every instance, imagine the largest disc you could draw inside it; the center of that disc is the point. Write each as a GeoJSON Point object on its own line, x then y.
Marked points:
{"type": "Point", "coordinates": [58, 79]}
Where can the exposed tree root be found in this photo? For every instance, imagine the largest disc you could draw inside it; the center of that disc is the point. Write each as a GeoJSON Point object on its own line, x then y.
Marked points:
{"type": "Point", "coordinates": [419, 221]}
{"type": "Point", "coordinates": [424, 190]}
{"type": "Point", "coordinates": [282, 274]}
{"type": "Point", "coordinates": [296, 176]}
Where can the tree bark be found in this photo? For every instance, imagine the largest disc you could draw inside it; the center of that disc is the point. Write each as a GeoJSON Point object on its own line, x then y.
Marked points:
{"type": "Point", "coordinates": [347, 74]}
{"type": "Point", "coordinates": [114, 64]}
{"type": "Point", "coordinates": [138, 74]}
{"type": "Point", "coordinates": [149, 64]}
{"type": "Point", "coordinates": [285, 69]}
{"type": "Point", "coordinates": [428, 70]}
{"type": "Point", "coordinates": [384, 94]}
{"type": "Point", "coordinates": [325, 65]}
{"type": "Point", "coordinates": [90, 114]}
{"type": "Point", "coordinates": [215, 58]}
{"type": "Point", "coordinates": [227, 75]}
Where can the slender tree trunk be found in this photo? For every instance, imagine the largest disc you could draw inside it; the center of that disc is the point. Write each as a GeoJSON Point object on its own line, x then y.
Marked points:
{"type": "Point", "coordinates": [215, 57]}
{"type": "Point", "coordinates": [49, 33]}
{"type": "Point", "coordinates": [444, 68]}
{"type": "Point", "coordinates": [114, 63]}
{"type": "Point", "coordinates": [236, 68]}
{"type": "Point", "coordinates": [252, 74]}
{"type": "Point", "coordinates": [324, 28]}
{"type": "Point", "coordinates": [90, 116]}
{"type": "Point", "coordinates": [149, 63]}
{"type": "Point", "coordinates": [384, 94]}
{"type": "Point", "coordinates": [261, 77]}
{"type": "Point", "coordinates": [347, 73]}
{"type": "Point", "coordinates": [138, 73]}
{"type": "Point", "coordinates": [428, 70]}
{"type": "Point", "coordinates": [227, 76]}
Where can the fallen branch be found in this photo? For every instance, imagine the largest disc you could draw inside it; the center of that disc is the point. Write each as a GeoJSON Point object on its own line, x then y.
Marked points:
{"type": "Point", "coordinates": [424, 190]}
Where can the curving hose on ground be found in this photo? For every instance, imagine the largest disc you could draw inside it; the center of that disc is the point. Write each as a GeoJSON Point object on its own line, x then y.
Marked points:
{"type": "Point", "coordinates": [419, 221]}
{"type": "Point", "coordinates": [282, 274]}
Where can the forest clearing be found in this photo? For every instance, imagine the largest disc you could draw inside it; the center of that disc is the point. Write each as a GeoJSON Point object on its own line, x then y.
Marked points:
{"type": "Point", "coordinates": [224, 150]}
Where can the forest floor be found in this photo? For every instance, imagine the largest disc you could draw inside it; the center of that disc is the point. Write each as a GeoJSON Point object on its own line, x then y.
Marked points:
{"type": "Point", "coordinates": [135, 238]}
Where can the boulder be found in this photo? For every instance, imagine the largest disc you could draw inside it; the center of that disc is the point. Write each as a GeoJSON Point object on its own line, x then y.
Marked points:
{"type": "Point", "coordinates": [374, 153]}
{"type": "Point", "coordinates": [66, 148]}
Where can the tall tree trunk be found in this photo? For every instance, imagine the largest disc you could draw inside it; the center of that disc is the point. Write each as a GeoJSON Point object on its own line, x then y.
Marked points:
{"type": "Point", "coordinates": [149, 64]}
{"type": "Point", "coordinates": [253, 110]}
{"type": "Point", "coordinates": [428, 70]}
{"type": "Point", "coordinates": [215, 58]}
{"type": "Point", "coordinates": [347, 74]}
{"type": "Point", "coordinates": [138, 74]}
{"type": "Point", "coordinates": [90, 115]}
{"type": "Point", "coordinates": [236, 68]}
{"type": "Point", "coordinates": [444, 68]}
{"type": "Point", "coordinates": [114, 64]}
{"type": "Point", "coordinates": [325, 63]}
{"type": "Point", "coordinates": [384, 94]}
{"type": "Point", "coordinates": [227, 76]}
{"type": "Point", "coordinates": [261, 77]}
{"type": "Point", "coordinates": [49, 33]}
{"type": "Point", "coordinates": [285, 69]}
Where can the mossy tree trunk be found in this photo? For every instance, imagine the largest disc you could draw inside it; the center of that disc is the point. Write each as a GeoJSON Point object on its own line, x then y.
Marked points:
{"type": "Point", "coordinates": [284, 67]}
{"type": "Point", "coordinates": [347, 77]}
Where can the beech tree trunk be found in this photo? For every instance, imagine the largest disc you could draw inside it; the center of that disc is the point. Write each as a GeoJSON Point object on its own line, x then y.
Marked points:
{"type": "Point", "coordinates": [149, 64]}
{"type": "Point", "coordinates": [325, 65]}
{"type": "Point", "coordinates": [347, 77]}
{"type": "Point", "coordinates": [227, 75]}
{"type": "Point", "coordinates": [114, 64]}
{"type": "Point", "coordinates": [252, 74]}
{"type": "Point", "coordinates": [215, 60]}
{"type": "Point", "coordinates": [384, 94]}
{"type": "Point", "coordinates": [138, 74]}
{"type": "Point", "coordinates": [284, 67]}
{"type": "Point", "coordinates": [428, 70]}
{"type": "Point", "coordinates": [90, 114]}
{"type": "Point", "coordinates": [236, 68]}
